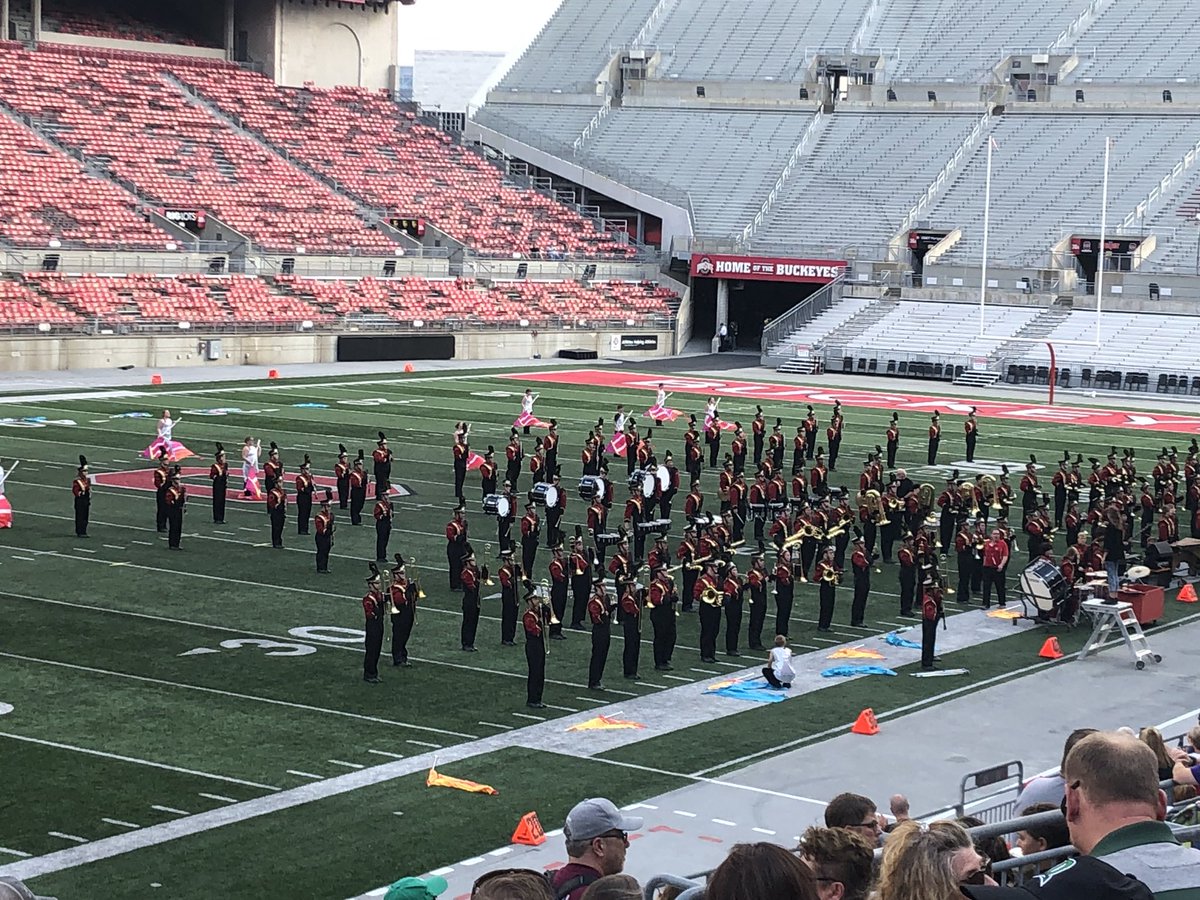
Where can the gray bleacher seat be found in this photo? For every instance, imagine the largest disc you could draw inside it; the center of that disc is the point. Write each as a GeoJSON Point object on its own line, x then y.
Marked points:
{"type": "Point", "coordinates": [1135, 39]}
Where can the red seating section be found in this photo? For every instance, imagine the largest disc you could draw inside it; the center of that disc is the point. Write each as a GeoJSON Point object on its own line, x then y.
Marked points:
{"type": "Point", "coordinates": [177, 154]}
{"type": "Point", "coordinates": [45, 194]}
{"type": "Point", "coordinates": [379, 153]}
{"type": "Point", "coordinates": [146, 299]}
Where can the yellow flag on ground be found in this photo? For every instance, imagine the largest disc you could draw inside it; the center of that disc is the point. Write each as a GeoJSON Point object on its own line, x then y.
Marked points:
{"type": "Point", "coordinates": [858, 652]}
{"type": "Point", "coordinates": [604, 723]}
{"type": "Point", "coordinates": [436, 779]}
{"type": "Point", "coordinates": [1004, 614]}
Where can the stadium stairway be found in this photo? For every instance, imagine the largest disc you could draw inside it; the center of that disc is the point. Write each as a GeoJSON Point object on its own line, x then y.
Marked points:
{"type": "Point", "coordinates": [1040, 326]}
{"type": "Point", "coordinates": [369, 214]}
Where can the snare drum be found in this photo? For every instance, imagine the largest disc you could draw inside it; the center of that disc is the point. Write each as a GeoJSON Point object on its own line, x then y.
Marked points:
{"type": "Point", "coordinates": [758, 512]}
{"type": "Point", "coordinates": [544, 494]}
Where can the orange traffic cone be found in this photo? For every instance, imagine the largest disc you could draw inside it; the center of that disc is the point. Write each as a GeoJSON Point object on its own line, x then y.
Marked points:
{"type": "Point", "coordinates": [865, 723]}
{"type": "Point", "coordinates": [529, 831]}
{"type": "Point", "coordinates": [156, 379]}
{"type": "Point", "coordinates": [273, 373]}
{"type": "Point", "coordinates": [1051, 649]}
{"type": "Point", "coordinates": [409, 368]}
{"type": "Point", "coordinates": [1187, 594]}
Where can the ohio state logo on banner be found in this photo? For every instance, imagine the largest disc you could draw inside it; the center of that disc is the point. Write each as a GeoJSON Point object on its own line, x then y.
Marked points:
{"type": "Point", "coordinates": [766, 268]}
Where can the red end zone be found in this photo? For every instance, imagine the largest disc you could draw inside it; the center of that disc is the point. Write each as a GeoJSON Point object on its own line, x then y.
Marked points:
{"type": "Point", "coordinates": [198, 484]}
{"type": "Point", "coordinates": [791, 393]}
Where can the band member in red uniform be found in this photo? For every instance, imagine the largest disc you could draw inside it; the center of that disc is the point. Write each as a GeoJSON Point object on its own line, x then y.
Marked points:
{"type": "Point", "coordinates": [893, 440]}
{"type": "Point", "coordinates": [810, 433]}
{"type": "Point", "coordinates": [995, 559]}
{"type": "Point", "coordinates": [971, 434]}
{"type": "Point", "coordinates": [661, 598]}
{"type": "Point", "coordinates": [471, 579]}
{"type": "Point", "coordinates": [383, 524]}
{"type": "Point", "coordinates": [784, 592]}
{"type": "Point", "coordinates": [737, 504]}
{"type": "Point", "coordinates": [932, 612]}
{"type": "Point", "coordinates": [817, 478]}
{"type": "Point", "coordinates": [687, 553]}
{"type": "Point", "coordinates": [461, 451]}
{"type": "Point", "coordinates": [597, 516]}
{"type": "Point", "coordinates": [341, 472]}
{"type": "Point", "coordinates": [708, 597]}
{"type": "Point", "coordinates": [1029, 489]}
{"type": "Point", "coordinates": [667, 496]}
{"type": "Point", "coordinates": [323, 524]}
{"type": "Point", "coordinates": [1059, 482]}
{"type": "Point", "coordinates": [620, 565]}
{"type": "Point", "coordinates": [693, 503]}
{"type": "Point", "coordinates": [404, 599]}
{"type": "Point", "coordinates": [304, 496]}
{"type": "Point", "coordinates": [712, 437]}
{"type": "Point", "coordinates": [550, 447]}
{"type": "Point", "coordinates": [1148, 508]}
{"type": "Point", "coordinates": [382, 457]}
{"type": "Point", "coordinates": [456, 543]}
{"type": "Point", "coordinates": [514, 453]}
{"type": "Point", "coordinates": [558, 591]}
{"type": "Point", "coordinates": [218, 474]}
{"type": "Point", "coordinates": [277, 502]}
{"type": "Point", "coordinates": [758, 432]}
{"type": "Point", "coordinates": [162, 482]}
{"type": "Point", "coordinates": [907, 558]}
{"type": "Point", "coordinates": [176, 503]}
{"type": "Point", "coordinates": [580, 568]}
{"type": "Point", "coordinates": [537, 462]}
{"type": "Point", "coordinates": [861, 565]}
{"type": "Point", "coordinates": [1071, 524]}
{"type": "Point", "coordinates": [533, 623]}
{"type": "Point", "coordinates": [634, 514]}
{"type": "Point", "coordinates": [1036, 532]}
{"type": "Point", "coordinates": [630, 613]}
{"type": "Point", "coordinates": [799, 442]}
{"type": "Point", "coordinates": [964, 546]}
{"type": "Point", "coordinates": [732, 587]}
{"type": "Point", "coordinates": [935, 438]}
{"type": "Point", "coordinates": [509, 586]}
{"type": "Point", "coordinates": [1168, 525]}
{"type": "Point", "coordinates": [724, 482]}
{"type": "Point", "coordinates": [600, 614]}
{"type": "Point", "coordinates": [531, 529]}
{"type": "Point", "coordinates": [272, 468]}
{"type": "Point", "coordinates": [373, 610]}
{"type": "Point", "coordinates": [950, 509]}
{"type": "Point", "coordinates": [756, 585]}
{"type": "Point", "coordinates": [737, 449]}
{"type": "Point", "coordinates": [358, 490]}
{"type": "Point", "coordinates": [489, 472]}
{"type": "Point", "coordinates": [833, 434]}
{"type": "Point", "coordinates": [827, 575]}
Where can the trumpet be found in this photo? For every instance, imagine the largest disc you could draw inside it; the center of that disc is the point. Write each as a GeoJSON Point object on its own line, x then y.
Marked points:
{"type": "Point", "coordinates": [831, 576]}
{"type": "Point", "coordinates": [712, 597]}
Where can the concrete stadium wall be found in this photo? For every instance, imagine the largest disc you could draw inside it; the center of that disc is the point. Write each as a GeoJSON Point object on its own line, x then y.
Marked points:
{"type": "Point", "coordinates": [33, 354]}
{"type": "Point", "coordinates": [83, 40]}
{"type": "Point", "coordinates": [343, 44]}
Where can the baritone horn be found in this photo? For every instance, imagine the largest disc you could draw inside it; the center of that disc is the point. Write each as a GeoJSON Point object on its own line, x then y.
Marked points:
{"type": "Point", "coordinates": [711, 596]}
{"type": "Point", "coordinates": [987, 485]}
{"type": "Point", "coordinates": [874, 504]}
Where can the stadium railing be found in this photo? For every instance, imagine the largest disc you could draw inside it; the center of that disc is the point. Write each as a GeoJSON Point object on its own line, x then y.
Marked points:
{"type": "Point", "coordinates": [800, 314]}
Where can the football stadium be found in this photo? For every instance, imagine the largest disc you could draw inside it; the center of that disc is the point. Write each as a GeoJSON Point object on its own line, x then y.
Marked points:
{"type": "Point", "coordinates": [742, 450]}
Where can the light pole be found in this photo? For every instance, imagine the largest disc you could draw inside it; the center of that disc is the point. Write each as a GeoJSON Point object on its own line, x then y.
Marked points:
{"type": "Point", "coordinates": [1198, 243]}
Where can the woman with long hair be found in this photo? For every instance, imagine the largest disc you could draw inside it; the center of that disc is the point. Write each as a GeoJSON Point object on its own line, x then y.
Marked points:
{"type": "Point", "coordinates": [1153, 739]}
{"type": "Point", "coordinates": [929, 862]}
{"type": "Point", "coordinates": [761, 872]}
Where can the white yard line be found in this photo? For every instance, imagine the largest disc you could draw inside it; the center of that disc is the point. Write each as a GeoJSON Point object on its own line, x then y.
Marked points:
{"type": "Point", "coordinates": [68, 837]}
{"type": "Point", "coordinates": [170, 809]}
{"type": "Point", "coordinates": [391, 755]}
{"type": "Point", "coordinates": [120, 824]}
{"type": "Point", "coordinates": [305, 774]}
{"type": "Point", "coordinates": [218, 797]}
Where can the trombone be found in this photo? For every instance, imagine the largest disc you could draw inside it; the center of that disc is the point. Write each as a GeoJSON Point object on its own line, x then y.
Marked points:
{"type": "Point", "coordinates": [546, 612]}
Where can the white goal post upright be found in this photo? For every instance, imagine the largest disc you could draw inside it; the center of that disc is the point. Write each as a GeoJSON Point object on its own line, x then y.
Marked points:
{"type": "Point", "coordinates": [983, 264]}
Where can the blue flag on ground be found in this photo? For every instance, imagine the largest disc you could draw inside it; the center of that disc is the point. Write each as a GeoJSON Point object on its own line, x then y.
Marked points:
{"type": "Point", "coordinates": [850, 671]}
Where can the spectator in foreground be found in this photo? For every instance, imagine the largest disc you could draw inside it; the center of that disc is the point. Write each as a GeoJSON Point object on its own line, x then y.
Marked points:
{"type": "Point", "coordinates": [929, 862]}
{"type": "Point", "coordinates": [1039, 838]}
{"type": "Point", "coordinates": [1193, 740]}
{"type": "Point", "coordinates": [14, 889]}
{"type": "Point", "coordinates": [761, 872]}
{"type": "Point", "coordinates": [842, 862]}
{"type": "Point", "coordinates": [512, 884]}
{"type": "Point", "coordinates": [1049, 788]}
{"type": "Point", "coordinates": [899, 807]}
{"type": "Point", "coordinates": [1115, 809]}
{"type": "Point", "coordinates": [614, 887]}
{"type": "Point", "coordinates": [857, 813]}
{"type": "Point", "coordinates": [993, 849]}
{"type": "Point", "coordinates": [596, 834]}
{"type": "Point", "coordinates": [1167, 758]}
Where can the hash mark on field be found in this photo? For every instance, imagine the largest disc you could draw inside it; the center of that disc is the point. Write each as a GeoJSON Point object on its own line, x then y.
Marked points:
{"type": "Point", "coordinates": [244, 528]}
{"type": "Point", "coordinates": [26, 558]}
{"type": "Point", "coordinates": [392, 755]}
{"type": "Point", "coordinates": [704, 671]}
{"type": "Point", "coordinates": [348, 765]}
{"type": "Point", "coordinates": [500, 851]}
{"type": "Point", "coordinates": [622, 693]}
{"type": "Point", "coordinates": [766, 831]}
{"type": "Point", "coordinates": [593, 700]}
{"type": "Point", "coordinates": [444, 870]}
{"type": "Point", "coordinates": [562, 708]}
{"type": "Point", "coordinates": [112, 547]}
{"type": "Point", "coordinates": [226, 533]}
{"type": "Point", "coordinates": [171, 809]}
{"type": "Point", "coordinates": [82, 550]}
{"type": "Point", "coordinates": [142, 543]}
{"type": "Point", "coordinates": [68, 837]}
{"type": "Point", "coordinates": [528, 716]}
{"type": "Point", "coordinates": [724, 822]}
{"type": "Point", "coordinates": [473, 861]}
{"type": "Point", "coordinates": [680, 812]}
{"type": "Point", "coordinates": [120, 823]}
{"type": "Point", "coordinates": [12, 852]}
{"type": "Point", "coordinates": [679, 677]}
{"type": "Point", "coordinates": [423, 744]}
{"type": "Point", "coordinates": [306, 774]}
{"type": "Point", "coordinates": [218, 798]}
{"type": "Point", "coordinates": [497, 725]}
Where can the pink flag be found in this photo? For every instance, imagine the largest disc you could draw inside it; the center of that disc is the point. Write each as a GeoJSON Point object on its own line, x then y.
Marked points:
{"type": "Point", "coordinates": [474, 461]}
{"type": "Point", "coordinates": [529, 419]}
{"type": "Point", "coordinates": [252, 487]}
{"type": "Point", "coordinates": [175, 450]}
{"type": "Point", "coordinates": [663, 413]}
{"type": "Point", "coordinates": [617, 445]}
{"type": "Point", "coordinates": [722, 424]}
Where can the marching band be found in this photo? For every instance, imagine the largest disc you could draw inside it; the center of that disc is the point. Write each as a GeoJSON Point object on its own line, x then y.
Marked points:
{"type": "Point", "coordinates": [621, 568]}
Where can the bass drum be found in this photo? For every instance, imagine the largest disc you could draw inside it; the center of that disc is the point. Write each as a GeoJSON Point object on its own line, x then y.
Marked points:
{"type": "Point", "coordinates": [663, 474]}
{"type": "Point", "coordinates": [591, 487]}
{"type": "Point", "coordinates": [544, 494]}
{"type": "Point", "coordinates": [649, 483]}
{"type": "Point", "coordinates": [1043, 584]}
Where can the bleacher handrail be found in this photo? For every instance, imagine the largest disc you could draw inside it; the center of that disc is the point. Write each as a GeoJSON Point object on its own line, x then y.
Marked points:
{"type": "Point", "coordinates": [804, 311]}
{"type": "Point", "coordinates": [1158, 193]}
{"type": "Point", "coordinates": [1082, 21]}
{"type": "Point", "coordinates": [651, 20]}
{"type": "Point", "coordinates": [968, 144]}
{"type": "Point", "coordinates": [591, 127]}
{"type": "Point", "coordinates": [797, 152]}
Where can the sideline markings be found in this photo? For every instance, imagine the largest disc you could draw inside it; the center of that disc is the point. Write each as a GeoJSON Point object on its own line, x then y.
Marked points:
{"type": "Point", "coordinates": [135, 760]}
{"type": "Point", "coordinates": [391, 755]}
{"type": "Point", "coordinates": [170, 809]}
{"type": "Point", "coordinates": [121, 824]}
{"type": "Point", "coordinates": [12, 852]}
{"type": "Point", "coordinates": [306, 774]}
{"type": "Point", "coordinates": [68, 837]}
{"type": "Point", "coordinates": [219, 798]}
{"type": "Point", "coordinates": [348, 765]}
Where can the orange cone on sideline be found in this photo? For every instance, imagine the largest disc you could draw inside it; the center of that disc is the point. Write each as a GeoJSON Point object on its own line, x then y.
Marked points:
{"type": "Point", "coordinates": [273, 373]}
{"type": "Point", "coordinates": [865, 723]}
{"type": "Point", "coordinates": [529, 831]}
{"type": "Point", "coordinates": [409, 367]}
{"type": "Point", "coordinates": [1051, 649]}
{"type": "Point", "coordinates": [1187, 594]}
{"type": "Point", "coordinates": [156, 378]}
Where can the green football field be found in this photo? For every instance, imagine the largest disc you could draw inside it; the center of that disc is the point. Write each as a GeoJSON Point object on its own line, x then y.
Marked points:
{"type": "Point", "coordinates": [141, 687]}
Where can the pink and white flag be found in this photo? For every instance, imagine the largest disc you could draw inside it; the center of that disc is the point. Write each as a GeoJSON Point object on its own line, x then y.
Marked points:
{"type": "Point", "coordinates": [617, 446]}
{"type": "Point", "coordinates": [175, 450]}
{"type": "Point", "coordinates": [474, 461]}
{"type": "Point", "coordinates": [663, 413]}
{"type": "Point", "coordinates": [529, 419]}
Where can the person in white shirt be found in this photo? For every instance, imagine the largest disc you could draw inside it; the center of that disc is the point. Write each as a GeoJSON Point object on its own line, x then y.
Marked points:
{"type": "Point", "coordinates": [778, 670]}
{"type": "Point", "coordinates": [250, 451]}
{"type": "Point", "coordinates": [661, 397]}
{"type": "Point", "coordinates": [619, 420]}
{"type": "Point", "coordinates": [166, 425]}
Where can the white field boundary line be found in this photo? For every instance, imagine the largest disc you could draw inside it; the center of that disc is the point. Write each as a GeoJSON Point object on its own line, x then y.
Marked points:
{"type": "Point", "coordinates": [239, 696]}
{"type": "Point", "coordinates": [136, 761]}
{"type": "Point", "coordinates": [322, 642]}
